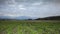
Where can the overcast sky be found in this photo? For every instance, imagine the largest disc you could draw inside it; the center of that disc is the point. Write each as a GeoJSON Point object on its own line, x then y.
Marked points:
{"type": "Point", "coordinates": [33, 8]}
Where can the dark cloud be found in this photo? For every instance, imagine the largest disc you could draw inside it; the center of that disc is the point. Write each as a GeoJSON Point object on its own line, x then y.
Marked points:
{"type": "Point", "coordinates": [29, 1]}
{"type": "Point", "coordinates": [26, 1]}
{"type": "Point", "coordinates": [1, 1]}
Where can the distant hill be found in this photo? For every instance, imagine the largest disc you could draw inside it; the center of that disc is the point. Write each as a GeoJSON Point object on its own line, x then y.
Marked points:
{"type": "Point", "coordinates": [29, 18]}
{"type": "Point", "coordinates": [23, 17]}
{"type": "Point", "coordinates": [49, 18]}
{"type": "Point", "coordinates": [5, 17]}
{"type": "Point", "coordinates": [18, 18]}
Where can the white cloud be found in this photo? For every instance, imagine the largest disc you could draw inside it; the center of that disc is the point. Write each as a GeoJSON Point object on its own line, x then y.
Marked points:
{"type": "Point", "coordinates": [37, 3]}
{"type": "Point", "coordinates": [21, 7]}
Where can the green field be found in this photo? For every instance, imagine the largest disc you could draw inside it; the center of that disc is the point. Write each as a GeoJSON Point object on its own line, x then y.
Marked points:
{"type": "Point", "coordinates": [29, 27]}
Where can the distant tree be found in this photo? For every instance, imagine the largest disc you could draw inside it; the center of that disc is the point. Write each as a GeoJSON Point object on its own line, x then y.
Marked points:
{"type": "Point", "coordinates": [29, 19]}
{"type": "Point", "coordinates": [37, 19]}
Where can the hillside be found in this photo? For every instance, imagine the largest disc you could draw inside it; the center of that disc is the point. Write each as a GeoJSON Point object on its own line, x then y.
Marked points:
{"type": "Point", "coordinates": [49, 18]}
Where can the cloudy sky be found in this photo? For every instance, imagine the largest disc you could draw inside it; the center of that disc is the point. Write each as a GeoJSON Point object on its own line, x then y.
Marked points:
{"type": "Point", "coordinates": [33, 8]}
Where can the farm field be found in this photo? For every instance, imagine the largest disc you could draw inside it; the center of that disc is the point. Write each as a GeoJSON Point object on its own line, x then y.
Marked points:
{"type": "Point", "coordinates": [29, 27]}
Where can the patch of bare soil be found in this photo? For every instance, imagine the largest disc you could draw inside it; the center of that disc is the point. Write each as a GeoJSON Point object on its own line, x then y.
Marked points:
{"type": "Point", "coordinates": [3, 32]}
{"type": "Point", "coordinates": [14, 31]}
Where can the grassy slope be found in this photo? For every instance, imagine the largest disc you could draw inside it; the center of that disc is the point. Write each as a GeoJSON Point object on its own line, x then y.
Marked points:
{"type": "Point", "coordinates": [29, 27]}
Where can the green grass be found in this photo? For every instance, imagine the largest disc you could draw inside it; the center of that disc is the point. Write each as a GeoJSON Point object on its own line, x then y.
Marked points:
{"type": "Point", "coordinates": [29, 27]}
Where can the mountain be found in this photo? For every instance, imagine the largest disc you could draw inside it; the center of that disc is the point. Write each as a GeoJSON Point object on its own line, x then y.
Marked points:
{"type": "Point", "coordinates": [28, 17]}
{"type": "Point", "coordinates": [49, 18]}
{"type": "Point", "coordinates": [23, 17]}
{"type": "Point", "coordinates": [19, 17]}
{"type": "Point", "coordinates": [4, 17]}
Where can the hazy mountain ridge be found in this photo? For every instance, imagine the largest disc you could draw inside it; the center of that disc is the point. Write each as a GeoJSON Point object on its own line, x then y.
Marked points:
{"type": "Point", "coordinates": [30, 18]}
{"type": "Point", "coordinates": [49, 18]}
{"type": "Point", "coordinates": [19, 17]}
{"type": "Point", "coordinates": [23, 17]}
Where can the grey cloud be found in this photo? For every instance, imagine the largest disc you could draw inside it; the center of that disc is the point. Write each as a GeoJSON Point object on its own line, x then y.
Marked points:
{"type": "Point", "coordinates": [2, 1]}
{"type": "Point", "coordinates": [26, 1]}
{"type": "Point", "coordinates": [37, 8]}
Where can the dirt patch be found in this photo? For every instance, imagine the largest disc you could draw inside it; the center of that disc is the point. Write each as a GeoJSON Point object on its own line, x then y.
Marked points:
{"type": "Point", "coordinates": [14, 31]}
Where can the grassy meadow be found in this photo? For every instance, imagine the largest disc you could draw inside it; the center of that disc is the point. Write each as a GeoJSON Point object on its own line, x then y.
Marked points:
{"type": "Point", "coordinates": [29, 27]}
